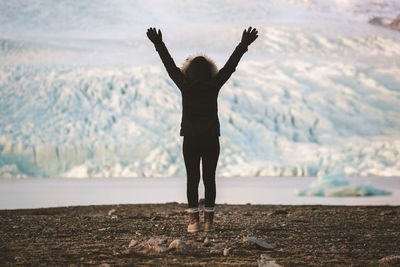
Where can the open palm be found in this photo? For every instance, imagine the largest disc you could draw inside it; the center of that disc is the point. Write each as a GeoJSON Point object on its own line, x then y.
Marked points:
{"type": "Point", "coordinates": [154, 35]}
{"type": "Point", "coordinates": [249, 36]}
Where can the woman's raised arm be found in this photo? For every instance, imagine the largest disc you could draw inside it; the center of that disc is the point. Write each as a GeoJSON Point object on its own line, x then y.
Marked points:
{"type": "Point", "coordinates": [248, 37]}
{"type": "Point", "coordinates": [173, 71]}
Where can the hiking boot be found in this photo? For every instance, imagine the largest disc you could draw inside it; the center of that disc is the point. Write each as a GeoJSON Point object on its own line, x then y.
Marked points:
{"type": "Point", "coordinates": [193, 226]}
{"type": "Point", "coordinates": [208, 219]}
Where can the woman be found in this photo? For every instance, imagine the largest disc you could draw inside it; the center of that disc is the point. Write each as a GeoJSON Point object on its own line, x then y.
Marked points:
{"type": "Point", "coordinates": [199, 82]}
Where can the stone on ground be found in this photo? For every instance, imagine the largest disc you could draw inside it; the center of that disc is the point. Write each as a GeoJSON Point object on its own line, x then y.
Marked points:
{"type": "Point", "coordinates": [180, 245]}
{"type": "Point", "coordinates": [254, 242]}
{"type": "Point", "coordinates": [390, 260]}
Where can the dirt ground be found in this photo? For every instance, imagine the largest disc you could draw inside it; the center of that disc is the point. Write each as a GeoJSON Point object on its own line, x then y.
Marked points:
{"type": "Point", "coordinates": [300, 235]}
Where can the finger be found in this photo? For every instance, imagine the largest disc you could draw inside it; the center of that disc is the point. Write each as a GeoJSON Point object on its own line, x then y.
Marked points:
{"type": "Point", "coordinates": [249, 30]}
{"type": "Point", "coordinates": [159, 33]}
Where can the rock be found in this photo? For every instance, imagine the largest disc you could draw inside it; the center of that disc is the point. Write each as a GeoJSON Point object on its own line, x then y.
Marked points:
{"type": "Point", "coordinates": [390, 260]}
{"type": "Point", "coordinates": [132, 243]}
{"type": "Point", "coordinates": [155, 244]}
{"type": "Point", "coordinates": [155, 218]}
{"type": "Point", "coordinates": [216, 252]}
{"type": "Point", "coordinates": [110, 212]}
{"type": "Point", "coordinates": [156, 241]}
{"type": "Point", "coordinates": [227, 251]}
{"type": "Point", "coordinates": [207, 242]}
{"type": "Point", "coordinates": [263, 263]}
{"type": "Point", "coordinates": [217, 248]}
{"type": "Point", "coordinates": [266, 257]}
{"type": "Point", "coordinates": [113, 217]}
{"type": "Point", "coordinates": [160, 249]}
{"type": "Point", "coordinates": [255, 242]}
{"type": "Point", "coordinates": [179, 245]}
{"type": "Point", "coordinates": [267, 261]}
{"type": "Point", "coordinates": [105, 265]}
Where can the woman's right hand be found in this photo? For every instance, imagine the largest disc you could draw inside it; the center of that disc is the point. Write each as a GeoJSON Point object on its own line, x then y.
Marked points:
{"type": "Point", "coordinates": [249, 36]}
{"type": "Point", "coordinates": [154, 36]}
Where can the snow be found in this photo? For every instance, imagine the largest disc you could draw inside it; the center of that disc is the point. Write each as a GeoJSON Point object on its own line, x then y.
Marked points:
{"type": "Point", "coordinates": [83, 93]}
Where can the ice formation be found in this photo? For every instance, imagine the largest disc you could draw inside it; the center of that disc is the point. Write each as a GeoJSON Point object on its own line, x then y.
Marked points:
{"type": "Point", "coordinates": [336, 185]}
{"type": "Point", "coordinates": [83, 93]}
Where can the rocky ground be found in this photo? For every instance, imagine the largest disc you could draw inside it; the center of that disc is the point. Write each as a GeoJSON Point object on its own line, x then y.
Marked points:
{"type": "Point", "coordinates": [156, 235]}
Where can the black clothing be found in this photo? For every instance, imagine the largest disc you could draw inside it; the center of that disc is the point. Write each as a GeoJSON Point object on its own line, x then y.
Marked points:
{"type": "Point", "coordinates": [200, 125]}
{"type": "Point", "coordinates": [206, 148]}
{"type": "Point", "coordinates": [199, 97]}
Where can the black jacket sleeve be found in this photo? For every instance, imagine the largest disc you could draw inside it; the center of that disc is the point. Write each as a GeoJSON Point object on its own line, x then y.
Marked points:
{"type": "Point", "coordinates": [230, 66]}
{"type": "Point", "coordinates": [173, 71]}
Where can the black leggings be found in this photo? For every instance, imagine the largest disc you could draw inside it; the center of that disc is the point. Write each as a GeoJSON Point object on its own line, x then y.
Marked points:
{"type": "Point", "coordinates": [205, 148]}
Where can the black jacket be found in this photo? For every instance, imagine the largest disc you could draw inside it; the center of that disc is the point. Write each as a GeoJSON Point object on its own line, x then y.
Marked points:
{"type": "Point", "coordinates": [199, 98]}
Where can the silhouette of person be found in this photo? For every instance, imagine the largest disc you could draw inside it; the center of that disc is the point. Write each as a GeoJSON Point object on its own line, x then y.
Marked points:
{"type": "Point", "coordinates": [199, 82]}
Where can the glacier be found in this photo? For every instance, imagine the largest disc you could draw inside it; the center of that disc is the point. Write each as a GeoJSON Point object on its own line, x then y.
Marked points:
{"type": "Point", "coordinates": [83, 93]}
